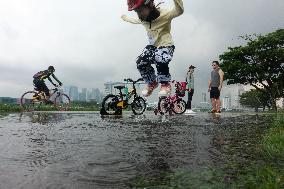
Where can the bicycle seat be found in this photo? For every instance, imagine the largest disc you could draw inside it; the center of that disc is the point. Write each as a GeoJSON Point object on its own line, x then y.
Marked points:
{"type": "Point", "coordinates": [119, 87]}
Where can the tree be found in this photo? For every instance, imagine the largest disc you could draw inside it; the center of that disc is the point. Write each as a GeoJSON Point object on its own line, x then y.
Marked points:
{"type": "Point", "coordinates": [255, 99]}
{"type": "Point", "coordinates": [259, 63]}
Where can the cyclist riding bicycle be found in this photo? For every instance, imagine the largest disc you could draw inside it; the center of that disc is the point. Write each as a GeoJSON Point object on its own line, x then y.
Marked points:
{"type": "Point", "coordinates": [160, 50]}
{"type": "Point", "coordinates": [40, 84]}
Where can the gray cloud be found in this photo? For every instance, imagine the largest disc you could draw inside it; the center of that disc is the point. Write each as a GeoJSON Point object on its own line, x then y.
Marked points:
{"type": "Point", "coordinates": [89, 44]}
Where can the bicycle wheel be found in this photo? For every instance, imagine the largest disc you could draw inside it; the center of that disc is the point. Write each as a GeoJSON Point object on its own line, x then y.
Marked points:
{"type": "Point", "coordinates": [163, 105]}
{"type": "Point", "coordinates": [30, 101]}
{"type": "Point", "coordinates": [138, 106]}
{"type": "Point", "coordinates": [179, 106]}
{"type": "Point", "coordinates": [62, 102]}
{"type": "Point", "coordinates": [109, 105]}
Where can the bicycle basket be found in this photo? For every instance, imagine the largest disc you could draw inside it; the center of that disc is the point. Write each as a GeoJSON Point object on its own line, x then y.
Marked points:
{"type": "Point", "coordinates": [180, 89]}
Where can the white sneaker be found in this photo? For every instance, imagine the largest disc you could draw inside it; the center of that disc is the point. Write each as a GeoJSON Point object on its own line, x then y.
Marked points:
{"type": "Point", "coordinates": [165, 90]}
{"type": "Point", "coordinates": [190, 112]}
{"type": "Point", "coordinates": [149, 89]}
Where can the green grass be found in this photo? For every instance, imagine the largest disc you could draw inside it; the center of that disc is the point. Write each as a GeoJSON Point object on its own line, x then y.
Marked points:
{"type": "Point", "coordinates": [76, 106]}
{"type": "Point", "coordinates": [10, 108]}
{"type": "Point", "coordinates": [269, 173]}
{"type": "Point", "coordinates": [208, 178]}
{"type": "Point", "coordinates": [265, 171]}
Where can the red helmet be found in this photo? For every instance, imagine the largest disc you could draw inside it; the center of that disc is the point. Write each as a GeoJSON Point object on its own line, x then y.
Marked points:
{"type": "Point", "coordinates": [134, 4]}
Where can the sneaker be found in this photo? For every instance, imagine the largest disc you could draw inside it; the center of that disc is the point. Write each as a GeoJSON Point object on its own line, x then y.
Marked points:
{"type": "Point", "coordinates": [212, 111]}
{"type": "Point", "coordinates": [191, 112]}
{"type": "Point", "coordinates": [149, 89]}
{"type": "Point", "coordinates": [165, 90]}
{"type": "Point", "coordinates": [218, 111]}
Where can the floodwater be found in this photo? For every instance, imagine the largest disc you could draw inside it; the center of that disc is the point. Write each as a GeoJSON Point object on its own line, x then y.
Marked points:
{"type": "Point", "coordinates": [53, 150]}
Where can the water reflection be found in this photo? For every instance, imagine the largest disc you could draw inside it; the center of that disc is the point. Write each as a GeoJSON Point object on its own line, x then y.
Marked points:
{"type": "Point", "coordinates": [44, 118]}
{"type": "Point", "coordinates": [41, 150]}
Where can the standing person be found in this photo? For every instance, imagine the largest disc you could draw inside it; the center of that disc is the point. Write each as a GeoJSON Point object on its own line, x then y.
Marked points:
{"type": "Point", "coordinates": [215, 86]}
{"type": "Point", "coordinates": [160, 50]}
{"type": "Point", "coordinates": [190, 86]}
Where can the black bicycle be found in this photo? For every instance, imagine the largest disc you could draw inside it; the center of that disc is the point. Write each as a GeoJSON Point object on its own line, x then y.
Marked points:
{"type": "Point", "coordinates": [114, 104]}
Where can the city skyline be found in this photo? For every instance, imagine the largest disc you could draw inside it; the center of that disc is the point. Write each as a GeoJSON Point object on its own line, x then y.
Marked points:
{"type": "Point", "coordinates": [83, 94]}
{"type": "Point", "coordinates": [88, 55]}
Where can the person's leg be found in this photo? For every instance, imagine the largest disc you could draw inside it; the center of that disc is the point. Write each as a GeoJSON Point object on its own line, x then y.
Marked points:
{"type": "Point", "coordinates": [213, 104]}
{"type": "Point", "coordinates": [45, 89]}
{"type": "Point", "coordinates": [218, 104]}
{"type": "Point", "coordinates": [188, 104]}
{"type": "Point", "coordinates": [191, 95]}
{"type": "Point", "coordinates": [146, 70]}
{"type": "Point", "coordinates": [163, 57]}
{"type": "Point", "coordinates": [213, 100]}
{"type": "Point", "coordinates": [190, 100]}
{"type": "Point", "coordinates": [144, 66]}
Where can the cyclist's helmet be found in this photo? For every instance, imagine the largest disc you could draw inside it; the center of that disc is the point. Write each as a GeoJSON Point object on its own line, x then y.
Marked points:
{"type": "Point", "coordinates": [51, 69]}
{"type": "Point", "coordinates": [134, 4]}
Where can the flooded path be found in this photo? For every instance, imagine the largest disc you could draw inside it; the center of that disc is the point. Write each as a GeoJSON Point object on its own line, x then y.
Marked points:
{"type": "Point", "coordinates": [40, 150]}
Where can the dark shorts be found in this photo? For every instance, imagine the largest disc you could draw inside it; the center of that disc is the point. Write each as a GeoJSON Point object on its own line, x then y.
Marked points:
{"type": "Point", "coordinates": [41, 86]}
{"type": "Point", "coordinates": [214, 93]}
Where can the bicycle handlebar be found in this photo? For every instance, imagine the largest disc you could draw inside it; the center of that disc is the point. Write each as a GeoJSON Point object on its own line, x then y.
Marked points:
{"type": "Point", "coordinates": [132, 81]}
{"type": "Point", "coordinates": [56, 88]}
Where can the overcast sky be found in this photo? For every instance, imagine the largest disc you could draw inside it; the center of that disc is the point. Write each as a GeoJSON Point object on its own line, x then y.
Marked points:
{"type": "Point", "coordinates": [89, 44]}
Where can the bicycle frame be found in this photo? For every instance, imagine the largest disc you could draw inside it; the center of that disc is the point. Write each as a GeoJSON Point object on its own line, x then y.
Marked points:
{"type": "Point", "coordinates": [170, 100]}
{"type": "Point", "coordinates": [51, 92]}
{"type": "Point", "coordinates": [124, 98]}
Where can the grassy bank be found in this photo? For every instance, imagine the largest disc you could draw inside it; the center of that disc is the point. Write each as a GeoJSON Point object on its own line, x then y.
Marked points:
{"type": "Point", "coordinates": [268, 171]}
{"type": "Point", "coordinates": [75, 106]}
{"type": "Point", "coordinates": [264, 169]}
{"type": "Point", "coordinates": [9, 108]}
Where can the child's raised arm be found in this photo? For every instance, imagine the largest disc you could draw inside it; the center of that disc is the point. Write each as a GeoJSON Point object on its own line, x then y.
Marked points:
{"type": "Point", "coordinates": [131, 20]}
{"type": "Point", "coordinates": [177, 10]}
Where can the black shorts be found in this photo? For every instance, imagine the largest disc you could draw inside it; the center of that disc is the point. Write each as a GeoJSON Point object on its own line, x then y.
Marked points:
{"type": "Point", "coordinates": [214, 93]}
{"type": "Point", "coordinates": [41, 86]}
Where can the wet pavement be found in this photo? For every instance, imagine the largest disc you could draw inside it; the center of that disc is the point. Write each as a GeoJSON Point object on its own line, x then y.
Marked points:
{"type": "Point", "coordinates": [53, 150]}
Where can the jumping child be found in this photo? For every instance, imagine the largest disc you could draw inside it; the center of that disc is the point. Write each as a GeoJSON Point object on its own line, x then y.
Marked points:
{"type": "Point", "coordinates": [160, 50]}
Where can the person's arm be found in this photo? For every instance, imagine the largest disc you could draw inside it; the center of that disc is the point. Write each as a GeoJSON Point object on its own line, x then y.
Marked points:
{"type": "Point", "coordinates": [131, 20]}
{"type": "Point", "coordinates": [50, 80]}
{"type": "Point", "coordinates": [192, 86]}
{"type": "Point", "coordinates": [209, 85]}
{"type": "Point", "coordinates": [221, 73]}
{"type": "Point", "coordinates": [177, 10]}
{"type": "Point", "coordinates": [54, 77]}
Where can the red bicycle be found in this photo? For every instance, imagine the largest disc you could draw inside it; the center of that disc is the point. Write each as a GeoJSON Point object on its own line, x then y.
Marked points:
{"type": "Point", "coordinates": [173, 104]}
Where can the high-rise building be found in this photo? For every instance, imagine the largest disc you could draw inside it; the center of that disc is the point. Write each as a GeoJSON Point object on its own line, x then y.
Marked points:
{"type": "Point", "coordinates": [109, 87]}
{"type": "Point", "coordinates": [83, 95]}
{"type": "Point", "coordinates": [204, 97]}
{"type": "Point", "coordinates": [95, 95]}
{"type": "Point", "coordinates": [66, 90]}
{"type": "Point", "coordinates": [226, 103]}
{"type": "Point", "coordinates": [73, 93]}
